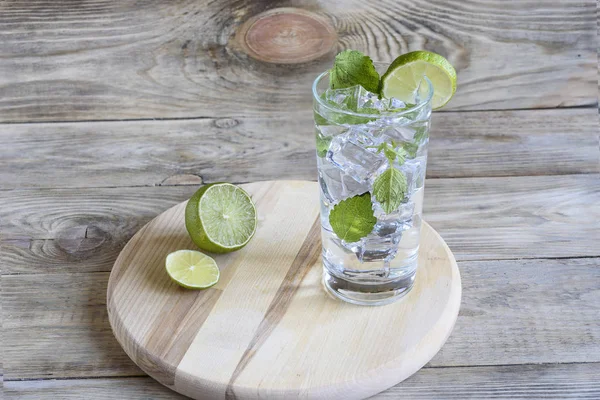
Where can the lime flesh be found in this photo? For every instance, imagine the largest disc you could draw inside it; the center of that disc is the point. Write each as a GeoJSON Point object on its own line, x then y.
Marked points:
{"type": "Point", "coordinates": [405, 75]}
{"type": "Point", "coordinates": [192, 269]}
{"type": "Point", "coordinates": [220, 218]}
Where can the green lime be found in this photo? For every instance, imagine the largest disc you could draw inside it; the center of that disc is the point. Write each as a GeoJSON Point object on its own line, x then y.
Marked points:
{"type": "Point", "coordinates": [220, 218]}
{"type": "Point", "coordinates": [192, 269]}
{"type": "Point", "coordinates": [404, 75]}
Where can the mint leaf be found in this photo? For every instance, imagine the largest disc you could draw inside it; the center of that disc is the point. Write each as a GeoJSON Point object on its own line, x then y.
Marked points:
{"type": "Point", "coordinates": [346, 119]}
{"type": "Point", "coordinates": [353, 218]}
{"type": "Point", "coordinates": [389, 189]}
{"type": "Point", "coordinates": [339, 117]}
{"type": "Point", "coordinates": [391, 152]}
{"type": "Point", "coordinates": [320, 120]}
{"type": "Point", "coordinates": [410, 148]}
{"type": "Point", "coordinates": [420, 134]}
{"type": "Point", "coordinates": [322, 144]}
{"type": "Point", "coordinates": [352, 68]}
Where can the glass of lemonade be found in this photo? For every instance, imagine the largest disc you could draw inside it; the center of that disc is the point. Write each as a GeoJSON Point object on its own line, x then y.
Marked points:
{"type": "Point", "coordinates": [371, 157]}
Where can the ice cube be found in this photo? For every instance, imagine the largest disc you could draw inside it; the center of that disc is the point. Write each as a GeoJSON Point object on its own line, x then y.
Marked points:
{"type": "Point", "coordinates": [336, 185]}
{"type": "Point", "coordinates": [331, 130]}
{"type": "Point", "coordinates": [354, 247]}
{"type": "Point", "coordinates": [397, 221]}
{"type": "Point", "coordinates": [379, 171]}
{"type": "Point", "coordinates": [368, 101]}
{"type": "Point", "coordinates": [353, 158]}
{"type": "Point", "coordinates": [421, 129]}
{"type": "Point", "coordinates": [335, 254]}
{"type": "Point", "coordinates": [403, 213]}
{"type": "Point", "coordinates": [345, 98]}
{"type": "Point", "coordinates": [395, 104]}
{"type": "Point", "coordinates": [424, 114]}
{"type": "Point", "coordinates": [378, 248]}
{"type": "Point", "coordinates": [361, 135]}
{"type": "Point", "coordinates": [414, 170]}
{"type": "Point", "coordinates": [398, 133]}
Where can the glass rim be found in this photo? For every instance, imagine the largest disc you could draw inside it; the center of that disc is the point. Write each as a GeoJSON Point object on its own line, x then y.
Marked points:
{"type": "Point", "coordinates": [357, 114]}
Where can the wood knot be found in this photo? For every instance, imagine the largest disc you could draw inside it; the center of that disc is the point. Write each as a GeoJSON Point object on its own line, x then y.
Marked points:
{"type": "Point", "coordinates": [226, 123]}
{"type": "Point", "coordinates": [286, 36]}
{"type": "Point", "coordinates": [182, 179]}
{"type": "Point", "coordinates": [80, 241]}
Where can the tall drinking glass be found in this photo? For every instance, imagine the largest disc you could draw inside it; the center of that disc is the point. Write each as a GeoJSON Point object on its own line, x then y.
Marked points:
{"type": "Point", "coordinates": [352, 127]}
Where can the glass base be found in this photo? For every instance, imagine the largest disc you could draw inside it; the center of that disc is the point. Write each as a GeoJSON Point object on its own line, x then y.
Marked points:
{"type": "Point", "coordinates": [368, 294]}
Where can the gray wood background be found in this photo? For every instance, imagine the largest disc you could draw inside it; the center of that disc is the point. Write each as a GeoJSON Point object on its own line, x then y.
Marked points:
{"type": "Point", "coordinates": [111, 112]}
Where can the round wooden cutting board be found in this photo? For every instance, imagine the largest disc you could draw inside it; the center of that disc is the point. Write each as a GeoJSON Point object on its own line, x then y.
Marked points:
{"type": "Point", "coordinates": [268, 329]}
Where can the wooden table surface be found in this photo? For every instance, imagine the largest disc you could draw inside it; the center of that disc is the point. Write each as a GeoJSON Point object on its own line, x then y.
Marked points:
{"type": "Point", "coordinates": [113, 111]}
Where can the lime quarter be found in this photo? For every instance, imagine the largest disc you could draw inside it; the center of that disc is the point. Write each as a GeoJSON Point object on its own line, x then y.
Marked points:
{"type": "Point", "coordinates": [192, 269]}
{"type": "Point", "coordinates": [220, 218]}
{"type": "Point", "coordinates": [405, 74]}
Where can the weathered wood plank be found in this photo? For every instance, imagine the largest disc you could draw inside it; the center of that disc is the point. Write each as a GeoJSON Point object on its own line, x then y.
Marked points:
{"type": "Point", "coordinates": [571, 381]}
{"type": "Point", "coordinates": [512, 313]}
{"type": "Point", "coordinates": [497, 143]}
{"type": "Point", "coordinates": [136, 388]}
{"type": "Point", "coordinates": [516, 217]}
{"type": "Point", "coordinates": [514, 143]}
{"type": "Point", "coordinates": [98, 60]}
{"type": "Point", "coordinates": [76, 230]}
{"type": "Point", "coordinates": [57, 326]}
{"type": "Point", "coordinates": [1, 337]}
{"type": "Point", "coordinates": [58, 230]}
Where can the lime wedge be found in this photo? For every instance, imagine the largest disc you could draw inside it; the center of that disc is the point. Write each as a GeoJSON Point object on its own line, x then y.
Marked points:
{"type": "Point", "coordinates": [220, 218]}
{"type": "Point", "coordinates": [404, 75]}
{"type": "Point", "coordinates": [192, 269]}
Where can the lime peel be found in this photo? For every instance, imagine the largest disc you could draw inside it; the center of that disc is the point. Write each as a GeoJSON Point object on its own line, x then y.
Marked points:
{"type": "Point", "coordinates": [220, 218]}
{"type": "Point", "coordinates": [405, 74]}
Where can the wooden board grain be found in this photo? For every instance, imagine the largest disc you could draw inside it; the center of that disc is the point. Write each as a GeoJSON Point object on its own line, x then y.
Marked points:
{"type": "Point", "coordinates": [130, 60]}
{"type": "Point", "coordinates": [474, 144]}
{"type": "Point", "coordinates": [268, 329]}
{"type": "Point", "coordinates": [554, 381]}
{"type": "Point", "coordinates": [61, 230]}
{"type": "Point", "coordinates": [540, 304]}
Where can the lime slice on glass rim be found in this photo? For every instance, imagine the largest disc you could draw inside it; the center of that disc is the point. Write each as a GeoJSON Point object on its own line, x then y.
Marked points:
{"type": "Point", "coordinates": [220, 218]}
{"type": "Point", "coordinates": [404, 76]}
{"type": "Point", "coordinates": [192, 269]}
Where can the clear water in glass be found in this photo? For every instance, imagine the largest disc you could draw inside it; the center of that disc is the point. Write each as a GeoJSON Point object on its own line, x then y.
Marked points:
{"type": "Point", "coordinates": [350, 124]}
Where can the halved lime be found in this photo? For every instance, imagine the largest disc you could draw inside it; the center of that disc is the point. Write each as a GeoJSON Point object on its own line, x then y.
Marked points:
{"type": "Point", "coordinates": [192, 269]}
{"type": "Point", "coordinates": [405, 74]}
{"type": "Point", "coordinates": [220, 218]}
